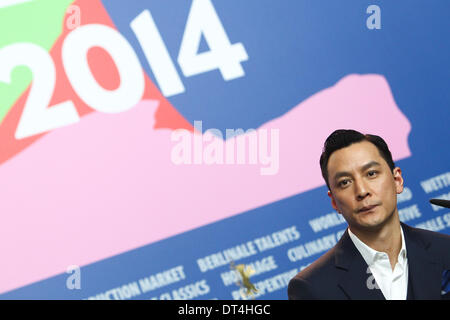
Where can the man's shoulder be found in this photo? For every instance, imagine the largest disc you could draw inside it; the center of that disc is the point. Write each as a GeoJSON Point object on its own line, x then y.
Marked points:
{"type": "Point", "coordinates": [427, 237]}
{"type": "Point", "coordinates": [316, 270]}
{"type": "Point", "coordinates": [435, 243]}
{"type": "Point", "coordinates": [315, 274]}
{"type": "Point", "coordinates": [316, 281]}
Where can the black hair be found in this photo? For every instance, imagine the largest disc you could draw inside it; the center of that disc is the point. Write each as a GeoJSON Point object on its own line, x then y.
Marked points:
{"type": "Point", "coordinates": [343, 138]}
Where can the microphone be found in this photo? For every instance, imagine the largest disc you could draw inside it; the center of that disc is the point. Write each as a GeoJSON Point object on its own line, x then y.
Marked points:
{"type": "Point", "coordinates": [441, 202]}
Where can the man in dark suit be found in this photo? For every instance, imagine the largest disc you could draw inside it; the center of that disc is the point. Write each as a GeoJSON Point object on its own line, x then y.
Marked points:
{"type": "Point", "coordinates": [378, 257]}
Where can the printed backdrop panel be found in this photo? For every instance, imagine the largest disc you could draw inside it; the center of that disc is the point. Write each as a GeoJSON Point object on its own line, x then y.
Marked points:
{"type": "Point", "coordinates": [148, 148]}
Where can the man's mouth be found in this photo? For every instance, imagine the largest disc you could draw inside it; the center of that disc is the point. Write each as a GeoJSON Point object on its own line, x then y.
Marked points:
{"type": "Point", "coordinates": [367, 208]}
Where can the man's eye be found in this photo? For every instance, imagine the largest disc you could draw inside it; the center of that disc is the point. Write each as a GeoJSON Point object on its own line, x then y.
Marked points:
{"type": "Point", "coordinates": [343, 183]}
{"type": "Point", "coordinates": [372, 173]}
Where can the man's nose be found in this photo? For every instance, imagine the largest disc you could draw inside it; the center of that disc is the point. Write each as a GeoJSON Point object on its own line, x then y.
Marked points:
{"type": "Point", "coordinates": [361, 189]}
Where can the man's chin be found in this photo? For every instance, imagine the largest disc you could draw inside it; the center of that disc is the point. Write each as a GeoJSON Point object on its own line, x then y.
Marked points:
{"type": "Point", "coordinates": [371, 223]}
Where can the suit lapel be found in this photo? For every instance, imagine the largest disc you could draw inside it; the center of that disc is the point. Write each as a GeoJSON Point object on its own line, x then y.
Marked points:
{"type": "Point", "coordinates": [424, 273]}
{"type": "Point", "coordinates": [356, 282]}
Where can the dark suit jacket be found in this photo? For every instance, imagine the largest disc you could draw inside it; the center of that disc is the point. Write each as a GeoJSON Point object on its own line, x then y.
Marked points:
{"type": "Point", "coordinates": [341, 273]}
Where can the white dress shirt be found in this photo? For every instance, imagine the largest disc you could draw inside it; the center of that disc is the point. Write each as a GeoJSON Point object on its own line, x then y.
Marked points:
{"type": "Point", "coordinates": [392, 283]}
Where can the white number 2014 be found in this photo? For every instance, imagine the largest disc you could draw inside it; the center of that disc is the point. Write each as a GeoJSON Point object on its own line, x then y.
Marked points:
{"type": "Point", "coordinates": [37, 117]}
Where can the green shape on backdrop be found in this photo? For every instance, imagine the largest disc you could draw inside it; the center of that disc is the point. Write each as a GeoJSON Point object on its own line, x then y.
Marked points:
{"type": "Point", "coordinates": [39, 22]}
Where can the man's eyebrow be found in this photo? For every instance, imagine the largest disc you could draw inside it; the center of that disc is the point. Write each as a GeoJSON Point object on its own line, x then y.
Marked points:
{"type": "Point", "coordinates": [370, 165]}
{"type": "Point", "coordinates": [363, 168]}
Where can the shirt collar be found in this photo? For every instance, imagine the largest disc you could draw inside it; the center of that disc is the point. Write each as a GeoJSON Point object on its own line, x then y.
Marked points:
{"type": "Point", "coordinates": [370, 255]}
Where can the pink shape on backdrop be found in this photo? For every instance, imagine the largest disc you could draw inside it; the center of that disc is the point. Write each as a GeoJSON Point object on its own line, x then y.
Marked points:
{"type": "Point", "coordinates": [107, 184]}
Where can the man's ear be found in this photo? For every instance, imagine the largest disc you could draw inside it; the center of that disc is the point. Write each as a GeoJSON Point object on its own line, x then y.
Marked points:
{"type": "Point", "coordinates": [333, 202]}
{"type": "Point", "coordinates": [398, 179]}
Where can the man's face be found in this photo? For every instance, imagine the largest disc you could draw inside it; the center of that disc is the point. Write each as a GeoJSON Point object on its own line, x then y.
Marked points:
{"type": "Point", "coordinates": [363, 188]}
